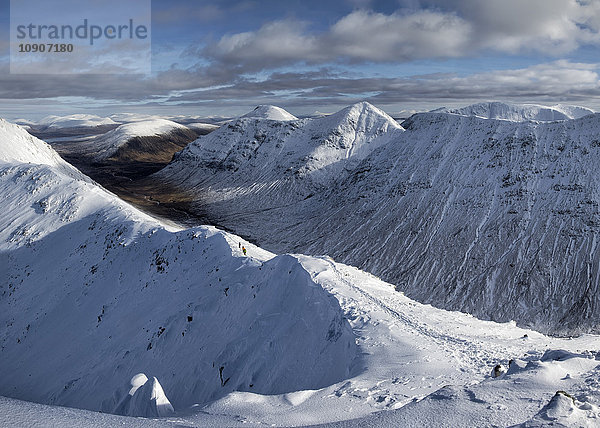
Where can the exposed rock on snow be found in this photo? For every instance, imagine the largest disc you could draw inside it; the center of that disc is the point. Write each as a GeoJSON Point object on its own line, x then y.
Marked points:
{"type": "Point", "coordinates": [519, 112]}
{"type": "Point", "coordinates": [498, 370]}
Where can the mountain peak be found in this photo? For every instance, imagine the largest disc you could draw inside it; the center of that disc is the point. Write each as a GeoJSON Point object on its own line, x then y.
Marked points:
{"type": "Point", "coordinates": [270, 112]}
{"type": "Point", "coordinates": [363, 115]}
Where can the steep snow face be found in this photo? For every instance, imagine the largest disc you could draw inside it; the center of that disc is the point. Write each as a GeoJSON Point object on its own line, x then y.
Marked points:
{"type": "Point", "coordinates": [18, 146]}
{"type": "Point", "coordinates": [271, 113]}
{"type": "Point", "coordinates": [108, 144]}
{"type": "Point", "coordinates": [520, 112]}
{"type": "Point", "coordinates": [74, 121]}
{"type": "Point", "coordinates": [93, 291]}
{"type": "Point", "coordinates": [494, 218]}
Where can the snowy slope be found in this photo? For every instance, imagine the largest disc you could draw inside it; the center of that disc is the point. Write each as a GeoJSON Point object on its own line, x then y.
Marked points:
{"type": "Point", "coordinates": [25, 148]}
{"type": "Point", "coordinates": [491, 217]}
{"type": "Point", "coordinates": [270, 112]}
{"type": "Point", "coordinates": [94, 292]}
{"type": "Point", "coordinates": [201, 127]}
{"type": "Point", "coordinates": [519, 112]}
{"type": "Point", "coordinates": [73, 121]}
{"type": "Point", "coordinates": [420, 367]}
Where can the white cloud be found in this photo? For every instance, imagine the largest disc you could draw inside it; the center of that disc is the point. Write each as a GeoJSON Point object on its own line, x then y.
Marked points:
{"type": "Point", "coordinates": [547, 26]}
{"type": "Point", "coordinates": [377, 37]}
{"type": "Point", "coordinates": [468, 27]}
{"type": "Point", "coordinates": [280, 40]}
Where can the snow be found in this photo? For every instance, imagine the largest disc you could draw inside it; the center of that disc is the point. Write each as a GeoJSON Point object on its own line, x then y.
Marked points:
{"type": "Point", "coordinates": [201, 126]}
{"type": "Point", "coordinates": [25, 148]}
{"type": "Point", "coordinates": [313, 151]}
{"type": "Point", "coordinates": [74, 121]}
{"type": "Point", "coordinates": [145, 398]}
{"type": "Point", "coordinates": [271, 113]}
{"type": "Point", "coordinates": [98, 293]}
{"type": "Point", "coordinates": [461, 212]}
{"type": "Point", "coordinates": [422, 367]}
{"type": "Point", "coordinates": [519, 112]}
{"type": "Point", "coordinates": [22, 414]}
{"type": "Point", "coordinates": [133, 117]}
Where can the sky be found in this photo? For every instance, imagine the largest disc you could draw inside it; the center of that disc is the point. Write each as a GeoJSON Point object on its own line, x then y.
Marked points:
{"type": "Point", "coordinates": [223, 57]}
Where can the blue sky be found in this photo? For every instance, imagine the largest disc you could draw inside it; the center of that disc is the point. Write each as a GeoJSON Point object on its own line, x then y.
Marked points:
{"type": "Point", "coordinates": [224, 57]}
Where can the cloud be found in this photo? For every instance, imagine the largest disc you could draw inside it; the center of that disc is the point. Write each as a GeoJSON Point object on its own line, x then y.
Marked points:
{"type": "Point", "coordinates": [466, 28]}
{"type": "Point", "coordinates": [550, 82]}
{"type": "Point", "coordinates": [420, 29]}
{"type": "Point", "coordinates": [359, 36]}
{"type": "Point", "coordinates": [277, 42]}
{"type": "Point", "coordinates": [547, 26]}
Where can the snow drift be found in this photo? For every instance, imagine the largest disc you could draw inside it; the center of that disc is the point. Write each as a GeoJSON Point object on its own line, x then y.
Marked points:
{"type": "Point", "coordinates": [94, 291]}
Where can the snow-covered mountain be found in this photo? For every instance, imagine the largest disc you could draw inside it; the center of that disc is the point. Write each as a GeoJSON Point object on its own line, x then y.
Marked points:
{"type": "Point", "coordinates": [142, 139]}
{"type": "Point", "coordinates": [519, 112]}
{"type": "Point", "coordinates": [73, 121]}
{"type": "Point", "coordinates": [271, 113]}
{"type": "Point", "coordinates": [420, 367]}
{"type": "Point", "coordinates": [202, 128]}
{"type": "Point", "coordinates": [103, 307]}
{"type": "Point", "coordinates": [492, 217]}
{"type": "Point", "coordinates": [94, 292]}
{"type": "Point", "coordinates": [284, 160]}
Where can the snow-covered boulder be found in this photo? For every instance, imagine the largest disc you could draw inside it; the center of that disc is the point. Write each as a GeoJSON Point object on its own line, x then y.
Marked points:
{"type": "Point", "coordinates": [145, 398]}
